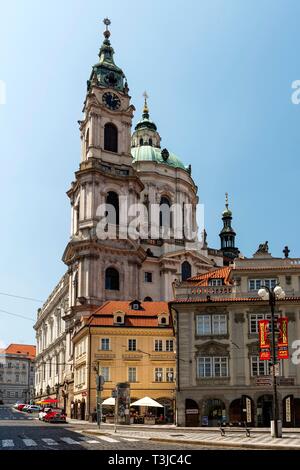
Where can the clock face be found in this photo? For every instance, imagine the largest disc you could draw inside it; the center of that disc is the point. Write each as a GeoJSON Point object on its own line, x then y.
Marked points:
{"type": "Point", "coordinates": [111, 101]}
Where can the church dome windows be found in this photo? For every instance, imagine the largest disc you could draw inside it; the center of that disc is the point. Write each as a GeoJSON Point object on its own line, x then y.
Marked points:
{"type": "Point", "coordinates": [141, 141]}
{"type": "Point", "coordinates": [150, 141]}
{"type": "Point", "coordinates": [110, 137]}
{"type": "Point", "coordinates": [112, 279]}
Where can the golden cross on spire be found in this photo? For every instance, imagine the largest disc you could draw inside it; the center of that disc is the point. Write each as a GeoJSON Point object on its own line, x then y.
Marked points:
{"type": "Point", "coordinates": [226, 200]}
{"type": "Point", "coordinates": [146, 109]}
{"type": "Point", "coordinates": [107, 22]}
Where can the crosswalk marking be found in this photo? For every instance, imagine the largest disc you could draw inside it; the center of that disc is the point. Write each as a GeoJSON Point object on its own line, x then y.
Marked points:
{"type": "Point", "coordinates": [29, 442]}
{"type": "Point", "coordinates": [107, 439]}
{"type": "Point", "coordinates": [8, 443]}
{"type": "Point", "coordinates": [129, 439]}
{"type": "Point", "coordinates": [91, 441]}
{"type": "Point", "coordinates": [50, 442]}
{"type": "Point", "coordinates": [69, 440]}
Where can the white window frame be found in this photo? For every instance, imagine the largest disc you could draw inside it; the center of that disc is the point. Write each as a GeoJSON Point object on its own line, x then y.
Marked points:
{"type": "Point", "coordinates": [132, 344]}
{"type": "Point", "coordinates": [170, 370]}
{"type": "Point", "coordinates": [255, 317]}
{"type": "Point", "coordinates": [102, 342]}
{"type": "Point", "coordinates": [215, 282]}
{"type": "Point", "coordinates": [158, 370]}
{"type": "Point", "coordinates": [158, 342]}
{"type": "Point", "coordinates": [213, 363]}
{"type": "Point", "coordinates": [255, 284]}
{"type": "Point", "coordinates": [169, 345]}
{"type": "Point", "coordinates": [130, 371]}
{"type": "Point", "coordinates": [208, 325]}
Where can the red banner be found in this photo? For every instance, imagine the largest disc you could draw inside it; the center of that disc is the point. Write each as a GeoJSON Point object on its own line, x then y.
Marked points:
{"type": "Point", "coordinates": [283, 345]}
{"type": "Point", "coordinates": [264, 341]}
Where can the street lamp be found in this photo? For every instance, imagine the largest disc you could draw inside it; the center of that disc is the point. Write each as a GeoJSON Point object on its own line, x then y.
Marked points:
{"type": "Point", "coordinates": [277, 293]}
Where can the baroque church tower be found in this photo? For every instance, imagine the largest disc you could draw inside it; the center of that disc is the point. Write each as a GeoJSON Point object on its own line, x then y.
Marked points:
{"type": "Point", "coordinates": [103, 269]}
{"type": "Point", "coordinates": [120, 171]}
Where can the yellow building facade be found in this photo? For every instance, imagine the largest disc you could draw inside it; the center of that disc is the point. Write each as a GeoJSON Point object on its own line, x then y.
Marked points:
{"type": "Point", "coordinates": [126, 342]}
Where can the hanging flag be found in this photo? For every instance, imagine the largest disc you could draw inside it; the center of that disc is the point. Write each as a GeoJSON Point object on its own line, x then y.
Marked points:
{"type": "Point", "coordinates": [264, 341]}
{"type": "Point", "coordinates": [283, 346]}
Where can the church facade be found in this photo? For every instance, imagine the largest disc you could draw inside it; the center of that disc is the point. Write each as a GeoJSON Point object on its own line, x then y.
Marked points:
{"type": "Point", "coordinates": [133, 224]}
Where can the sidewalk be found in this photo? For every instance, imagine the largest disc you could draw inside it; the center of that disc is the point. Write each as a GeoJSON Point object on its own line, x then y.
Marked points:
{"type": "Point", "coordinates": [232, 438]}
{"type": "Point", "coordinates": [173, 427]}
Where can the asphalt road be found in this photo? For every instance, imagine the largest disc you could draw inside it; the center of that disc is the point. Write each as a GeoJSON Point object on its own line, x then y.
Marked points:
{"type": "Point", "coordinates": [20, 431]}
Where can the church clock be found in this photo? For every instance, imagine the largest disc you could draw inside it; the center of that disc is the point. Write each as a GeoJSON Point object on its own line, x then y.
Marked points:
{"type": "Point", "coordinates": [111, 101]}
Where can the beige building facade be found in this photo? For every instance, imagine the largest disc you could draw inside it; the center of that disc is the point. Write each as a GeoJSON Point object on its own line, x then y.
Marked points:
{"type": "Point", "coordinates": [220, 377]}
{"type": "Point", "coordinates": [129, 342]}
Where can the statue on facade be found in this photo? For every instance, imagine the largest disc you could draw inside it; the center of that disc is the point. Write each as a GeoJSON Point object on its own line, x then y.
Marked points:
{"type": "Point", "coordinates": [263, 248]}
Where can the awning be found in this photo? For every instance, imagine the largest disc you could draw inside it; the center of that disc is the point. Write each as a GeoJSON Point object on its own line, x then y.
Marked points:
{"type": "Point", "coordinates": [146, 401]}
{"type": "Point", "coordinates": [109, 401]}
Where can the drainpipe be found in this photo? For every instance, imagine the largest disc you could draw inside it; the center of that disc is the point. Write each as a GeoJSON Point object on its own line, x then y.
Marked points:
{"type": "Point", "coordinates": [177, 389]}
{"type": "Point", "coordinates": [89, 373]}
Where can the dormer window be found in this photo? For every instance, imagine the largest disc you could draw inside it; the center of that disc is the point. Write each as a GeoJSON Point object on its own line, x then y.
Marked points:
{"type": "Point", "coordinates": [215, 282]}
{"type": "Point", "coordinates": [136, 305]}
{"type": "Point", "coordinates": [163, 319]}
{"type": "Point", "coordinates": [119, 318]}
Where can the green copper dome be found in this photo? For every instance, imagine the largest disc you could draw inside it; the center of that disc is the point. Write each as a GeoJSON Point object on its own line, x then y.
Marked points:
{"type": "Point", "coordinates": [154, 154]}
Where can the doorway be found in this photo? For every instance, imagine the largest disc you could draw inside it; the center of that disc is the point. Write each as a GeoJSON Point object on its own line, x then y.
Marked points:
{"type": "Point", "coordinates": [264, 410]}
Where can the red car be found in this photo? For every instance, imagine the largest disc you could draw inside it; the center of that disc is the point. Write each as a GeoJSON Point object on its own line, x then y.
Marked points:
{"type": "Point", "coordinates": [55, 417]}
{"type": "Point", "coordinates": [21, 406]}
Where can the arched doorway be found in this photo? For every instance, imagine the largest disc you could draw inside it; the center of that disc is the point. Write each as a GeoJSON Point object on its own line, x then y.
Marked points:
{"type": "Point", "coordinates": [191, 413]}
{"type": "Point", "coordinates": [241, 411]}
{"type": "Point", "coordinates": [264, 410]}
{"type": "Point", "coordinates": [213, 412]}
{"type": "Point", "coordinates": [168, 410]}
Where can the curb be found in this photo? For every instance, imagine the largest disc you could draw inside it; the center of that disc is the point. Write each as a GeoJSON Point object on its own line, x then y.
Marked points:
{"type": "Point", "coordinates": [229, 444]}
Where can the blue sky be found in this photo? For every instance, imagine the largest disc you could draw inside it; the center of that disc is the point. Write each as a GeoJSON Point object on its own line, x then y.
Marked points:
{"type": "Point", "coordinates": [219, 77]}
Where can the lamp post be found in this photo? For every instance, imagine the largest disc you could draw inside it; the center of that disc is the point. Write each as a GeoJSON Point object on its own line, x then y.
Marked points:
{"type": "Point", "coordinates": [57, 392]}
{"type": "Point", "coordinates": [277, 293]}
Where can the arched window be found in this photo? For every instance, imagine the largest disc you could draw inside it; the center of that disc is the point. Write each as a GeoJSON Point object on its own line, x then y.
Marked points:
{"type": "Point", "coordinates": [148, 299]}
{"type": "Point", "coordinates": [141, 141]}
{"type": "Point", "coordinates": [163, 321]}
{"type": "Point", "coordinates": [165, 216]}
{"type": "Point", "coordinates": [150, 141]}
{"type": "Point", "coordinates": [110, 137]}
{"type": "Point", "coordinates": [112, 201]}
{"type": "Point", "coordinates": [112, 281]}
{"type": "Point", "coordinates": [186, 270]}
{"type": "Point", "coordinates": [119, 319]}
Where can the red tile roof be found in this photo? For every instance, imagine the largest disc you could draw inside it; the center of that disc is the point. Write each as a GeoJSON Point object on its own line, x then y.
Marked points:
{"type": "Point", "coordinates": [22, 349]}
{"type": "Point", "coordinates": [220, 273]}
{"type": "Point", "coordinates": [147, 316]}
{"type": "Point", "coordinates": [148, 308]}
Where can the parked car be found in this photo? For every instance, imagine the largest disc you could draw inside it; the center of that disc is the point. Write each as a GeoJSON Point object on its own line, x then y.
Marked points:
{"type": "Point", "coordinates": [33, 409]}
{"type": "Point", "coordinates": [25, 408]}
{"type": "Point", "coordinates": [55, 417]}
{"type": "Point", "coordinates": [17, 404]}
{"type": "Point", "coordinates": [21, 406]}
{"type": "Point", "coordinates": [44, 411]}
